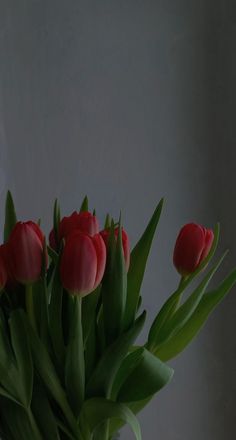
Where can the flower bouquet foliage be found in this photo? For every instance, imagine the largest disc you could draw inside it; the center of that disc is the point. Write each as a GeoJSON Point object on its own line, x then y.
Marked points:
{"type": "Point", "coordinates": [69, 317]}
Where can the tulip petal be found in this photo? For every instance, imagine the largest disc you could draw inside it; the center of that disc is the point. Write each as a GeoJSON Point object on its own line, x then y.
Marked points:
{"type": "Point", "coordinates": [87, 223]}
{"type": "Point", "coordinates": [209, 237]}
{"type": "Point", "coordinates": [100, 248]}
{"type": "Point", "coordinates": [188, 248]}
{"type": "Point", "coordinates": [25, 252]}
{"type": "Point", "coordinates": [79, 264]}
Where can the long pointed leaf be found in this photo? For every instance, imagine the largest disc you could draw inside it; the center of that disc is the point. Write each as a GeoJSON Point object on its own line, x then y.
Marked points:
{"type": "Point", "coordinates": [47, 372]}
{"type": "Point", "coordinates": [98, 410]}
{"type": "Point", "coordinates": [20, 343]}
{"type": "Point", "coordinates": [186, 334]}
{"type": "Point", "coordinates": [84, 205]}
{"type": "Point", "coordinates": [138, 262]}
{"type": "Point", "coordinates": [184, 312]}
{"type": "Point", "coordinates": [114, 288]}
{"type": "Point", "coordinates": [10, 216]}
{"type": "Point", "coordinates": [43, 413]}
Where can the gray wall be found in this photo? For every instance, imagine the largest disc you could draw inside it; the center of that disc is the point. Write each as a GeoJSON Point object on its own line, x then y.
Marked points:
{"type": "Point", "coordinates": [128, 101]}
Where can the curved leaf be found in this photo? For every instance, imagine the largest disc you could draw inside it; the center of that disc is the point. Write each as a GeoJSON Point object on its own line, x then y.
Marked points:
{"type": "Point", "coordinates": [97, 410]}
{"type": "Point", "coordinates": [101, 380]}
{"type": "Point", "coordinates": [146, 379]}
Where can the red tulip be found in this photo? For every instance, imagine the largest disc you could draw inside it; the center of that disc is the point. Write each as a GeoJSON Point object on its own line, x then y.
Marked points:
{"type": "Point", "coordinates": [192, 246]}
{"type": "Point", "coordinates": [125, 243]}
{"type": "Point", "coordinates": [82, 263]}
{"type": "Point", "coordinates": [3, 269]}
{"type": "Point", "coordinates": [82, 221]}
{"type": "Point", "coordinates": [25, 251]}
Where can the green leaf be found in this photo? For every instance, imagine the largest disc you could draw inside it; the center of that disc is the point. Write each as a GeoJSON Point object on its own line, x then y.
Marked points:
{"type": "Point", "coordinates": [56, 219]}
{"type": "Point", "coordinates": [171, 304]}
{"type": "Point", "coordinates": [184, 336]}
{"type": "Point", "coordinates": [91, 350]}
{"type": "Point", "coordinates": [137, 267]}
{"type": "Point", "coordinates": [20, 344]}
{"type": "Point", "coordinates": [107, 223]}
{"type": "Point", "coordinates": [101, 380]}
{"type": "Point", "coordinates": [138, 365]}
{"type": "Point", "coordinates": [135, 407]}
{"type": "Point", "coordinates": [114, 288]}
{"type": "Point", "coordinates": [47, 372]}
{"type": "Point", "coordinates": [10, 216]}
{"type": "Point", "coordinates": [128, 365]}
{"type": "Point", "coordinates": [6, 354]}
{"type": "Point", "coordinates": [52, 254]}
{"type": "Point", "coordinates": [89, 306]}
{"type": "Point", "coordinates": [184, 312]}
{"type": "Point", "coordinates": [9, 396]}
{"type": "Point", "coordinates": [43, 413]}
{"type": "Point", "coordinates": [64, 429]}
{"type": "Point", "coordinates": [12, 377]}
{"type": "Point", "coordinates": [97, 410]}
{"type": "Point", "coordinates": [21, 424]}
{"type": "Point", "coordinates": [40, 306]}
{"type": "Point", "coordinates": [74, 370]}
{"type": "Point", "coordinates": [84, 205]}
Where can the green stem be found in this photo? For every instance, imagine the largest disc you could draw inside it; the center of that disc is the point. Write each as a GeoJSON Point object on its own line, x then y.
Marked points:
{"type": "Point", "coordinates": [81, 365]}
{"type": "Point", "coordinates": [29, 303]}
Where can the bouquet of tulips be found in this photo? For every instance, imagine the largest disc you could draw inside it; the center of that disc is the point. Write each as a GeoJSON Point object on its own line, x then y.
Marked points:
{"type": "Point", "coordinates": [70, 313]}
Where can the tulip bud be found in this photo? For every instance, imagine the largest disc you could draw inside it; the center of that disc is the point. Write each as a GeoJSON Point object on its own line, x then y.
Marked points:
{"type": "Point", "coordinates": [192, 246]}
{"type": "Point", "coordinates": [82, 221]}
{"type": "Point", "coordinates": [125, 243]}
{"type": "Point", "coordinates": [82, 263]}
{"type": "Point", "coordinates": [3, 269]}
{"type": "Point", "coordinates": [25, 250]}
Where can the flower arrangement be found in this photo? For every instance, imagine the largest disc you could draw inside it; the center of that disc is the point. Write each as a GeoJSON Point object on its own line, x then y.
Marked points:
{"type": "Point", "coordinates": [69, 317]}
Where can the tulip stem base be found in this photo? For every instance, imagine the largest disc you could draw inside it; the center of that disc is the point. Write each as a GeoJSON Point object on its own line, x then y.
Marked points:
{"type": "Point", "coordinates": [29, 304]}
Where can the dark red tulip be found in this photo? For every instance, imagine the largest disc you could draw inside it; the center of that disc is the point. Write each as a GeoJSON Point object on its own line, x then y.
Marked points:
{"type": "Point", "coordinates": [192, 246]}
{"type": "Point", "coordinates": [25, 251]}
{"type": "Point", "coordinates": [125, 242]}
{"type": "Point", "coordinates": [82, 221]}
{"type": "Point", "coordinates": [3, 269]}
{"type": "Point", "coordinates": [82, 263]}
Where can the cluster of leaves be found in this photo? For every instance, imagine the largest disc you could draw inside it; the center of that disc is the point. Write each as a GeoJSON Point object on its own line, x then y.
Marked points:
{"type": "Point", "coordinates": [78, 374]}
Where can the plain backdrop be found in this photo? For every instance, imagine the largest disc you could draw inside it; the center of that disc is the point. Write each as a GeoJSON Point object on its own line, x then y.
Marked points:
{"type": "Point", "coordinates": [128, 101]}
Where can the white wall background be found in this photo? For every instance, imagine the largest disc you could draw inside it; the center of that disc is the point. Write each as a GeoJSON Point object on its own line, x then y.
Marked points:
{"type": "Point", "coordinates": [127, 101]}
